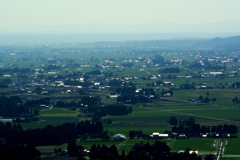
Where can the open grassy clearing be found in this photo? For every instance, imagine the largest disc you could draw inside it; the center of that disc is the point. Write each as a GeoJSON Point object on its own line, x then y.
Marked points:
{"type": "Point", "coordinates": [202, 145]}
{"type": "Point", "coordinates": [55, 116]}
{"type": "Point", "coordinates": [150, 121]}
{"type": "Point", "coordinates": [49, 120]}
{"type": "Point", "coordinates": [58, 112]}
{"type": "Point", "coordinates": [223, 96]}
{"type": "Point", "coordinates": [232, 147]}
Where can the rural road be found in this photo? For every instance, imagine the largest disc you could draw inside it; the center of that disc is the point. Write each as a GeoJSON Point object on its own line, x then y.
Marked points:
{"type": "Point", "coordinates": [220, 150]}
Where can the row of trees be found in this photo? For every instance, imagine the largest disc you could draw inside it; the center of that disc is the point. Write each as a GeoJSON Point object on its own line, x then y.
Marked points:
{"type": "Point", "coordinates": [189, 126]}
{"type": "Point", "coordinates": [15, 70]}
{"type": "Point", "coordinates": [50, 135]}
{"type": "Point", "coordinates": [206, 99]}
{"type": "Point", "coordinates": [197, 129]}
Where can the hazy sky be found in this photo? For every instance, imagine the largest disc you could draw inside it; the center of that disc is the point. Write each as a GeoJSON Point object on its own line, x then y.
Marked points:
{"type": "Point", "coordinates": [16, 13]}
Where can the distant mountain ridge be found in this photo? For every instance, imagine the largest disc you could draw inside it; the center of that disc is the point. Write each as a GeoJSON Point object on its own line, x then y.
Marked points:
{"type": "Point", "coordinates": [163, 27]}
{"type": "Point", "coordinates": [141, 41]}
{"type": "Point", "coordinates": [229, 43]}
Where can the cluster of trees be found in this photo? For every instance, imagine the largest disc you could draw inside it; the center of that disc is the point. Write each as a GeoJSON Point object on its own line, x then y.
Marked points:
{"type": "Point", "coordinates": [170, 70]}
{"type": "Point", "coordinates": [50, 67]}
{"type": "Point", "coordinates": [133, 99]}
{"type": "Point", "coordinates": [188, 122]}
{"type": "Point", "coordinates": [5, 82]}
{"type": "Point", "coordinates": [103, 152]}
{"type": "Point", "coordinates": [187, 86]}
{"type": "Point", "coordinates": [235, 100]}
{"type": "Point", "coordinates": [94, 72]}
{"type": "Point", "coordinates": [50, 135]}
{"type": "Point", "coordinates": [196, 65]}
{"type": "Point", "coordinates": [115, 82]}
{"type": "Point", "coordinates": [11, 106]}
{"type": "Point", "coordinates": [164, 92]}
{"type": "Point", "coordinates": [127, 65]}
{"type": "Point", "coordinates": [74, 150]}
{"type": "Point", "coordinates": [158, 59]}
{"type": "Point", "coordinates": [90, 100]}
{"type": "Point", "coordinates": [14, 107]}
{"type": "Point", "coordinates": [108, 74]}
{"type": "Point", "coordinates": [112, 109]}
{"type": "Point", "coordinates": [236, 85]}
{"type": "Point", "coordinates": [129, 95]}
{"type": "Point", "coordinates": [38, 102]}
{"type": "Point", "coordinates": [85, 101]}
{"type": "Point", "coordinates": [135, 133]}
{"type": "Point", "coordinates": [73, 105]}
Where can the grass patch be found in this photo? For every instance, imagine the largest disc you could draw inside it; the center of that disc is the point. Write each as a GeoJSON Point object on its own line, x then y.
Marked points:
{"type": "Point", "coordinates": [202, 145]}
{"type": "Point", "coordinates": [232, 147]}
{"type": "Point", "coordinates": [58, 112]}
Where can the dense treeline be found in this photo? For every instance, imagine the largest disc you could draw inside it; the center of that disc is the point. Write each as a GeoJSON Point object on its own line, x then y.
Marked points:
{"type": "Point", "coordinates": [18, 152]}
{"type": "Point", "coordinates": [157, 151]}
{"type": "Point", "coordinates": [15, 70]}
{"type": "Point", "coordinates": [11, 106]}
{"type": "Point", "coordinates": [49, 135]}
